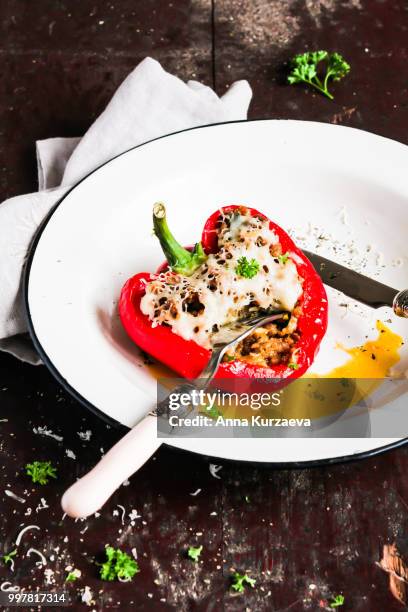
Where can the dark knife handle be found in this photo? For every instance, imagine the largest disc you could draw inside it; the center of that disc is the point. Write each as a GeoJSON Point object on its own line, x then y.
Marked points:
{"type": "Point", "coordinates": [400, 304]}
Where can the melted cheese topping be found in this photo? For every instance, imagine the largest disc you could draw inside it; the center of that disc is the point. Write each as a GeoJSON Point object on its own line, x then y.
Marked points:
{"type": "Point", "coordinates": [216, 294]}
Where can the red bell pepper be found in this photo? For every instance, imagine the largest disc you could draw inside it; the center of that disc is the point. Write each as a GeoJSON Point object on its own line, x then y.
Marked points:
{"type": "Point", "coordinates": [188, 358]}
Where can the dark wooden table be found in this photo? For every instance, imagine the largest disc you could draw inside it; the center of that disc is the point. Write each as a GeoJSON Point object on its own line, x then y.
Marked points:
{"type": "Point", "coordinates": [304, 535]}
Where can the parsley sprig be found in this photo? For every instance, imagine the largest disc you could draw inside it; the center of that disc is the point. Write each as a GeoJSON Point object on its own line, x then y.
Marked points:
{"type": "Point", "coordinates": [40, 471]}
{"type": "Point", "coordinates": [118, 565]}
{"type": "Point", "coordinates": [293, 366]}
{"type": "Point", "coordinates": [72, 576]}
{"type": "Point", "coordinates": [194, 553]}
{"type": "Point", "coordinates": [213, 412]}
{"type": "Point", "coordinates": [240, 580]}
{"type": "Point", "coordinates": [229, 357]}
{"type": "Point", "coordinates": [305, 70]}
{"type": "Point", "coordinates": [247, 269]}
{"type": "Point", "coordinates": [283, 258]}
{"type": "Point", "coordinates": [8, 557]}
{"type": "Point", "coordinates": [338, 600]}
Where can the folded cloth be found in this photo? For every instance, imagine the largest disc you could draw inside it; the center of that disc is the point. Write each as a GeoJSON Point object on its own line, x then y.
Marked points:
{"type": "Point", "coordinates": [149, 103]}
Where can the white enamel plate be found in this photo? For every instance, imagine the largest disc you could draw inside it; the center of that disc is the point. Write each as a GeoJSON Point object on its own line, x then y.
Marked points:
{"type": "Point", "coordinates": [339, 190]}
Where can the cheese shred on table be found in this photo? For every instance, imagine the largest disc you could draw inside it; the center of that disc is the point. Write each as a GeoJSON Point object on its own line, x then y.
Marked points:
{"type": "Point", "coordinates": [195, 307]}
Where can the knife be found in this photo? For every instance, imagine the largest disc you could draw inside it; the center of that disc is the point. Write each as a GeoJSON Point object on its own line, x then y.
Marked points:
{"type": "Point", "coordinates": [359, 287]}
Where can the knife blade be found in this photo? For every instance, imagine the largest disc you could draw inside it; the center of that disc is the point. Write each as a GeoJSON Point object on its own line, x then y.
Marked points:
{"type": "Point", "coordinates": [351, 283]}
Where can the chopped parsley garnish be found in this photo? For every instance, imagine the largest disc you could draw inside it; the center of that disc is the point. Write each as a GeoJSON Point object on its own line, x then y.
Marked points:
{"type": "Point", "coordinates": [283, 258]}
{"type": "Point", "coordinates": [229, 358]}
{"type": "Point", "coordinates": [304, 70]}
{"type": "Point", "coordinates": [239, 581]}
{"type": "Point", "coordinates": [194, 553]}
{"type": "Point", "coordinates": [293, 366]}
{"type": "Point", "coordinates": [40, 471]}
{"type": "Point", "coordinates": [213, 412]}
{"type": "Point", "coordinates": [118, 566]}
{"type": "Point", "coordinates": [338, 600]}
{"type": "Point", "coordinates": [72, 576]}
{"type": "Point", "coordinates": [247, 269]}
{"type": "Point", "coordinates": [8, 557]}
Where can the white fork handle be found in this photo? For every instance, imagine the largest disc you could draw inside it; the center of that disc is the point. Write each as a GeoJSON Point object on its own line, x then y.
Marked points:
{"type": "Point", "coordinates": [91, 491]}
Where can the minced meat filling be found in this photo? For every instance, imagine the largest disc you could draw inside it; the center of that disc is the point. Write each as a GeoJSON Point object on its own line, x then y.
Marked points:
{"type": "Point", "coordinates": [270, 345]}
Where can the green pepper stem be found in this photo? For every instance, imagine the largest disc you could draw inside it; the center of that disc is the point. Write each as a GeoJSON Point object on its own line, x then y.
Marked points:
{"type": "Point", "coordinates": [180, 259]}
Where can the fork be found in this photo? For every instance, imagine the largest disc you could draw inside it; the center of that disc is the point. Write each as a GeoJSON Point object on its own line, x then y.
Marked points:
{"type": "Point", "coordinates": [90, 492]}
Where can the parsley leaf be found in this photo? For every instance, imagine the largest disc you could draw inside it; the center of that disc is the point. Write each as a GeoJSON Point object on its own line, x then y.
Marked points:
{"type": "Point", "coordinates": [213, 412]}
{"type": "Point", "coordinates": [229, 357]}
{"type": "Point", "coordinates": [283, 258]}
{"type": "Point", "coordinates": [40, 471]}
{"type": "Point", "coordinates": [247, 269]}
{"type": "Point", "coordinates": [72, 576]}
{"type": "Point", "coordinates": [338, 600]}
{"type": "Point", "coordinates": [239, 581]}
{"type": "Point", "coordinates": [194, 553]}
{"type": "Point", "coordinates": [304, 70]}
{"type": "Point", "coordinates": [293, 366]}
{"type": "Point", "coordinates": [118, 566]}
{"type": "Point", "coordinates": [8, 557]}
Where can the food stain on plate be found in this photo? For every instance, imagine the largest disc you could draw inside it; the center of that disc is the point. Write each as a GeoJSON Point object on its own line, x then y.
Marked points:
{"type": "Point", "coordinates": [318, 396]}
{"type": "Point", "coordinates": [368, 365]}
{"type": "Point", "coordinates": [373, 359]}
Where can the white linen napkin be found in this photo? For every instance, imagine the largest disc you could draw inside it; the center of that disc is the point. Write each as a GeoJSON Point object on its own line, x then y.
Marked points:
{"type": "Point", "coordinates": [149, 103]}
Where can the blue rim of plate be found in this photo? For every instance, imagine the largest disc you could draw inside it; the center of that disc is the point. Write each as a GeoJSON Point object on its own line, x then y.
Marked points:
{"type": "Point", "coordinates": [113, 422]}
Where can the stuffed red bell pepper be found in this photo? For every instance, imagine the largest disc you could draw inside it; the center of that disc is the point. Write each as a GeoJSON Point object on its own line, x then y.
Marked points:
{"type": "Point", "coordinates": [244, 263]}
